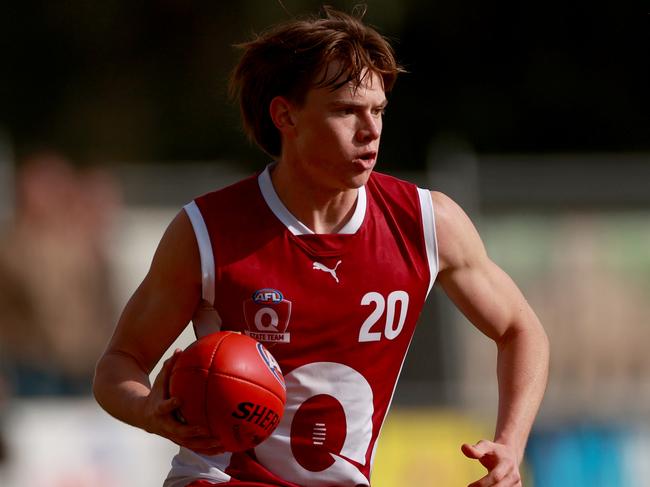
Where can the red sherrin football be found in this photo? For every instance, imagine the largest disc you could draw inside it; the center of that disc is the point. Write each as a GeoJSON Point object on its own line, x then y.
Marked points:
{"type": "Point", "coordinates": [232, 385]}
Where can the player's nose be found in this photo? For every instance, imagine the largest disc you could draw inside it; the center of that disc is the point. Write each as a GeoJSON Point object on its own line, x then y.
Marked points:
{"type": "Point", "coordinates": [369, 129]}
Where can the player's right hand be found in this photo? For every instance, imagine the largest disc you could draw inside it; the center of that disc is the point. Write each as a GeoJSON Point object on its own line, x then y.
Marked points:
{"type": "Point", "coordinates": [159, 417]}
{"type": "Point", "coordinates": [499, 459]}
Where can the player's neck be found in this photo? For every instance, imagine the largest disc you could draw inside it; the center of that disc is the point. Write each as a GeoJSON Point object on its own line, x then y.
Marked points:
{"type": "Point", "coordinates": [321, 209]}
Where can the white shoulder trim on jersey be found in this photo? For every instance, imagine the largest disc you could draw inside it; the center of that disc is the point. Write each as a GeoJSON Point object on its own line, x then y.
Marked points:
{"type": "Point", "coordinates": [294, 225]}
{"type": "Point", "coordinates": [206, 318]}
{"type": "Point", "coordinates": [205, 251]}
{"type": "Point", "coordinates": [429, 228]}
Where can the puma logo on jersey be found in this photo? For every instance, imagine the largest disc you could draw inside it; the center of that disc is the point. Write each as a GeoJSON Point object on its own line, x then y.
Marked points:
{"type": "Point", "coordinates": [324, 268]}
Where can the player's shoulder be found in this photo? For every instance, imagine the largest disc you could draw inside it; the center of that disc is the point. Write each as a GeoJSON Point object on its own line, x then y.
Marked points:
{"type": "Point", "coordinates": [444, 205]}
{"type": "Point", "coordinates": [177, 255]}
{"type": "Point", "coordinates": [457, 237]}
{"type": "Point", "coordinates": [449, 215]}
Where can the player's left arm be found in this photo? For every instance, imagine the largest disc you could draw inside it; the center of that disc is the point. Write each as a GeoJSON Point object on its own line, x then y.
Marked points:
{"type": "Point", "coordinates": [489, 298]}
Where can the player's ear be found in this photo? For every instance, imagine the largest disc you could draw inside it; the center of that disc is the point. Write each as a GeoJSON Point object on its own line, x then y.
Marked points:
{"type": "Point", "coordinates": [280, 110]}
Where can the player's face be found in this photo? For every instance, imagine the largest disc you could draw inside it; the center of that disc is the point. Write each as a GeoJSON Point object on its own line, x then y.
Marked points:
{"type": "Point", "coordinates": [337, 133]}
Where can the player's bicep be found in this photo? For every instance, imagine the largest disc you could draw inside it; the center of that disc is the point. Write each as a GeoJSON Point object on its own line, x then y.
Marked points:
{"type": "Point", "coordinates": [165, 301]}
{"type": "Point", "coordinates": [487, 296]}
{"type": "Point", "coordinates": [480, 289]}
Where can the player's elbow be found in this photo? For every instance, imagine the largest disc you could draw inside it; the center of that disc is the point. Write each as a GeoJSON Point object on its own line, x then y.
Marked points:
{"type": "Point", "coordinates": [530, 336]}
{"type": "Point", "coordinates": [111, 369]}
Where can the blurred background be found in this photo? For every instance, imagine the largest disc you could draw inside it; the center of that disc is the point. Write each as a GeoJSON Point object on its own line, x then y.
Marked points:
{"type": "Point", "coordinates": [533, 116]}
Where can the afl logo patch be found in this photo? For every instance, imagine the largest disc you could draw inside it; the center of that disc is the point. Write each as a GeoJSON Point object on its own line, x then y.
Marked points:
{"type": "Point", "coordinates": [267, 296]}
{"type": "Point", "coordinates": [267, 314]}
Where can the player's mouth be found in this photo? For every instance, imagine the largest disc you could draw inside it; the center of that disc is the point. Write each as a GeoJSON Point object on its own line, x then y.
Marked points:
{"type": "Point", "coordinates": [365, 160]}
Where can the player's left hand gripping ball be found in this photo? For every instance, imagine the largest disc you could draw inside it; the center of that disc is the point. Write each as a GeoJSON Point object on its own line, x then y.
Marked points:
{"type": "Point", "coordinates": [230, 384]}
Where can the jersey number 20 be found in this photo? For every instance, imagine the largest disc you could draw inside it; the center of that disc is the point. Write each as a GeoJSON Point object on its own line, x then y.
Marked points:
{"type": "Point", "coordinates": [393, 325]}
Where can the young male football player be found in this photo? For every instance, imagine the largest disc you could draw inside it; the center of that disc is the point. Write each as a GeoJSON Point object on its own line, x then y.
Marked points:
{"type": "Point", "coordinates": [328, 264]}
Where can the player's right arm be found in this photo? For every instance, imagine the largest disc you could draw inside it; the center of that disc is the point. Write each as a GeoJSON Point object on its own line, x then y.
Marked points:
{"type": "Point", "coordinates": [156, 314]}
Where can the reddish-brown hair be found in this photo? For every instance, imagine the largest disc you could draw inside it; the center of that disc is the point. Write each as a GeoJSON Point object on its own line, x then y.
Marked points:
{"type": "Point", "coordinates": [285, 60]}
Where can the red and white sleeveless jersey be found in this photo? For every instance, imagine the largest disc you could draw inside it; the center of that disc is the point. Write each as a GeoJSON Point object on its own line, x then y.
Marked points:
{"type": "Point", "coordinates": [337, 311]}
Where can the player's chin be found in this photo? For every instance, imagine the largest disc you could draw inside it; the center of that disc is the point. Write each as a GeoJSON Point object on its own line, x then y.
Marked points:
{"type": "Point", "coordinates": [360, 181]}
{"type": "Point", "coordinates": [359, 178]}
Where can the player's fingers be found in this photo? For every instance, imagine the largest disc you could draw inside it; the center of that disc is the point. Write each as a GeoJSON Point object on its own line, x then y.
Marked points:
{"type": "Point", "coordinates": [492, 478]}
{"type": "Point", "coordinates": [478, 450]}
{"type": "Point", "coordinates": [160, 387]}
{"type": "Point", "coordinates": [181, 433]}
{"type": "Point", "coordinates": [204, 444]}
{"type": "Point", "coordinates": [162, 379]}
{"type": "Point", "coordinates": [503, 475]}
{"type": "Point", "coordinates": [510, 480]}
{"type": "Point", "coordinates": [166, 406]}
{"type": "Point", "coordinates": [191, 433]}
{"type": "Point", "coordinates": [168, 365]}
{"type": "Point", "coordinates": [470, 451]}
